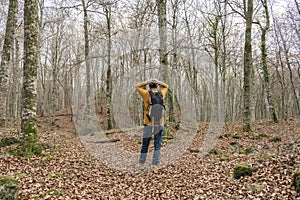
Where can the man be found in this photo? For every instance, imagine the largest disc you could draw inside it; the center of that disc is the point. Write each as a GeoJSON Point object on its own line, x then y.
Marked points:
{"type": "Point", "coordinates": [150, 127]}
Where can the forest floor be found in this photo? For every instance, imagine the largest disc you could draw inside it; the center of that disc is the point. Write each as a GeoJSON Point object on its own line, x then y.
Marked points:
{"type": "Point", "coordinates": [66, 170]}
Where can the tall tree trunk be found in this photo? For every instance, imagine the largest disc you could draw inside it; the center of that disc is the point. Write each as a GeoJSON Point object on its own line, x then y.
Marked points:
{"type": "Point", "coordinates": [162, 26]}
{"type": "Point", "coordinates": [280, 72]}
{"type": "Point", "coordinates": [288, 64]}
{"type": "Point", "coordinates": [266, 82]}
{"type": "Point", "coordinates": [6, 58]}
{"type": "Point", "coordinates": [193, 70]}
{"type": "Point", "coordinates": [216, 47]}
{"type": "Point", "coordinates": [224, 57]}
{"type": "Point", "coordinates": [29, 136]}
{"type": "Point", "coordinates": [87, 59]}
{"type": "Point", "coordinates": [163, 55]}
{"type": "Point", "coordinates": [110, 124]}
{"type": "Point", "coordinates": [248, 65]}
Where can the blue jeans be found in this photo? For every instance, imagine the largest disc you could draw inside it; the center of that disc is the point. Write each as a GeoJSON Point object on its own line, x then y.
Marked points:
{"type": "Point", "coordinates": [158, 132]}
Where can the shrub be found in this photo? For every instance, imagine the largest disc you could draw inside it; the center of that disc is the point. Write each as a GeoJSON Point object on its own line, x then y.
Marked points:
{"type": "Point", "coordinates": [242, 170]}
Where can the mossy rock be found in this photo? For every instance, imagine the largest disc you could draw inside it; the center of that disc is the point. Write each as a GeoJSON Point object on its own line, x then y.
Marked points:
{"type": "Point", "coordinates": [242, 170]}
{"type": "Point", "coordinates": [296, 181]}
{"type": "Point", "coordinates": [7, 141]}
{"type": "Point", "coordinates": [8, 188]}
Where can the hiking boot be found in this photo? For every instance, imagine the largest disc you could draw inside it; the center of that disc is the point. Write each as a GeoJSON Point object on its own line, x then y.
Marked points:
{"type": "Point", "coordinates": [141, 166]}
{"type": "Point", "coordinates": [154, 168]}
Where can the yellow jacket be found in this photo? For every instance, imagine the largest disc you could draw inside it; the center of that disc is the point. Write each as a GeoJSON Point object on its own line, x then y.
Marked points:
{"type": "Point", "coordinates": [146, 98]}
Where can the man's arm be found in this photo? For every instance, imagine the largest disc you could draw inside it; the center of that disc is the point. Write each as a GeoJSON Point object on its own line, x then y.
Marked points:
{"type": "Point", "coordinates": [143, 92]}
{"type": "Point", "coordinates": [164, 88]}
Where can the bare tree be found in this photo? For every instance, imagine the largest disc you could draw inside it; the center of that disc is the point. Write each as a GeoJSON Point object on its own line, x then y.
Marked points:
{"type": "Point", "coordinates": [107, 11]}
{"type": "Point", "coordinates": [264, 54]}
{"type": "Point", "coordinates": [248, 65]}
{"type": "Point", "coordinates": [87, 56]}
{"type": "Point", "coordinates": [6, 59]}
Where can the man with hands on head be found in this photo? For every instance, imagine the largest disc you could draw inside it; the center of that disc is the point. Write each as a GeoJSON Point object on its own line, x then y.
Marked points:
{"type": "Point", "coordinates": [152, 126]}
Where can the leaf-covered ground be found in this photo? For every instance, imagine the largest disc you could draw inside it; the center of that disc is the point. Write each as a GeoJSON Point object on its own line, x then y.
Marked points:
{"type": "Point", "coordinates": [68, 171]}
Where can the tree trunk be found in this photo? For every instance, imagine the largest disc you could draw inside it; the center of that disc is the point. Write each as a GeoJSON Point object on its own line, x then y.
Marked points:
{"type": "Point", "coordinates": [87, 59]}
{"type": "Point", "coordinates": [193, 71]}
{"type": "Point", "coordinates": [248, 65]}
{"type": "Point", "coordinates": [29, 136]}
{"type": "Point", "coordinates": [7, 57]}
{"type": "Point", "coordinates": [162, 26]}
{"type": "Point", "coordinates": [110, 124]}
{"type": "Point", "coordinates": [216, 47]}
{"type": "Point", "coordinates": [266, 82]}
{"type": "Point", "coordinates": [163, 55]}
{"type": "Point", "coordinates": [288, 64]}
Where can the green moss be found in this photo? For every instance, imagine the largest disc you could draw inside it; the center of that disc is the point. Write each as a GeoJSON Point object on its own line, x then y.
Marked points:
{"type": "Point", "coordinates": [242, 170]}
{"type": "Point", "coordinates": [54, 193]}
{"type": "Point", "coordinates": [296, 181]}
{"type": "Point", "coordinates": [236, 136]}
{"type": "Point", "coordinates": [15, 151]}
{"type": "Point", "coordinates": [25, 150]}
{"type": "Point", "coordinates": [7, 179]}
{"type": "Point", "coordinates": [66, 137]}
{"type": "Point", "coordinates": [215, 151]}
{"type": "Point", "coordinates": [249, 150]}
{"type": "Point", "coordinates": [235, 144]}
{"type": "Point", "coordinates": [262, 135]}
{"type": "Point", "coordinates": [224, 159]}
{"type": "Point", "coordinates": [20, 176]}
{"type": "Point", "coordinates": [167, 133]}
{"type": "Point", "coordinates": [8, 188]}
{"type": "Point", "coordinates": [7, 141]}
{"type": "Point", "coordinates": [256, 187]}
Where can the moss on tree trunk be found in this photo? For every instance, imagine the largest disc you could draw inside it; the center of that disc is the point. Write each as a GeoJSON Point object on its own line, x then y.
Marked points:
{"type": "Point", "coordinates": [29, 136]}
{"type": "Point", "coordinates": [248, 65]}
{"type": "Point", "coordinates": [6, 57]}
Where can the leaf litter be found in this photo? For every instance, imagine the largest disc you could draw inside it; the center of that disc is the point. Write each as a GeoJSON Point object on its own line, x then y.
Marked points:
{"type": "Point", "coordinates": [66, 170]}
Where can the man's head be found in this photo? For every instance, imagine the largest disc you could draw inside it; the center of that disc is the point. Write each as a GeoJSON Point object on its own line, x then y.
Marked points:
{"type": "Point", "coordinates": [153, 83]}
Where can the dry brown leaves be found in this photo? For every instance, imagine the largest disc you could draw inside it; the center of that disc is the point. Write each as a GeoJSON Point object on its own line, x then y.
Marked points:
{"type": "Point", "coordinates": [67, 171]}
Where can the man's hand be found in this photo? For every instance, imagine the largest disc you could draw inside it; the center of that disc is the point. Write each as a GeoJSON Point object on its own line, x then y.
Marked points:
{"type": "Point", "coordinates": [152, 81]}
